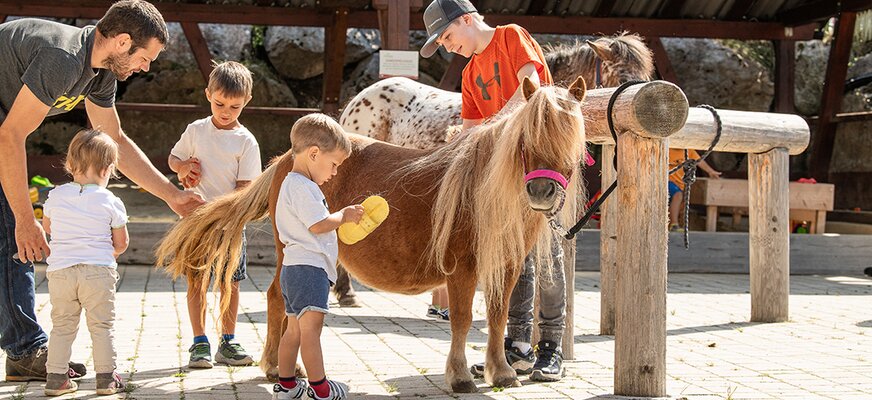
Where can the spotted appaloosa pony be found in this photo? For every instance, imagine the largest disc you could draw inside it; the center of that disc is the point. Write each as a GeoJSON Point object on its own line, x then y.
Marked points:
{"type": "Point", "coordinates": [410, 114]}
{"type": "Point", "coordinates": [462, 215]}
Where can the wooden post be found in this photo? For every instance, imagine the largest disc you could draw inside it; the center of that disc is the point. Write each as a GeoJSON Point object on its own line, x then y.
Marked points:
{"type": "Point", "coordinates": [608, 242]}
{"type": "Point", "coordinates": [569, 254]}
{"type": "Point", "coordinates": [199, 47]}
{"type": "Point", "coordinates": [785, 75]}
{"type": "Point", "coordinates": [640, 286]}
{"type": "Point", "coordinates": [661, 60]}
{"type": "Point", "coordinates": [769, 235]}
{"type": "Point", "coordinates": [451, 78]}
{"type": "Point", "coordinates": [334, 59]}
{"type": "Point", "coordinates": [831, 99]}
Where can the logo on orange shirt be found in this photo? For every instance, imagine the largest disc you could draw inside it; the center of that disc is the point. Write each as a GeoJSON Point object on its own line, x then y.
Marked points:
{"type": "Point", "coordinates": [485, 85]}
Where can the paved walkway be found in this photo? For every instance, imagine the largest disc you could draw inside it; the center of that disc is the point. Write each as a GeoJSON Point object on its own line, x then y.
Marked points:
{"type": "Point", "coordinates": [387, 350]}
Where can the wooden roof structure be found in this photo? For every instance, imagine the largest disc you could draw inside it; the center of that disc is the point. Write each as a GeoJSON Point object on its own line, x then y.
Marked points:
{"type": "Point", "coordinates": [780, 21]}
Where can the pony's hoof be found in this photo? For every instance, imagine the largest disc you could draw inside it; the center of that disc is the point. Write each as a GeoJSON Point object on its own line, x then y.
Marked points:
{"type": "Point", "coordinates": [464, 387]}
{"type": "Point", "coordinates": [272, 374]}
{"type": "Point", "coordinates": [349, 302]}
{"type": "Point", "coordinates": [507, 382]}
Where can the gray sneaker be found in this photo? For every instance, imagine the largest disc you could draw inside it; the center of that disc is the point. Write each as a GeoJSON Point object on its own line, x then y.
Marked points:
{"type": "Point", "coordinates": [109, 383]}
{"type": "Point", "coordinates": [58, 384]}
{"type": "Point", "coordinates": [521, 362]}
{"type": "Point", "coordinates": [32, 368]}
{"type": "Point", "coordinates": [201, 356]}
{"type": "Point", "coordinates": [231, 353]}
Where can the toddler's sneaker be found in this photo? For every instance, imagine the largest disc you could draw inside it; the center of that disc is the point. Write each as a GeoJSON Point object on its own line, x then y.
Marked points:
{"type": "Point", "coordinates": [280, 393]}
{"type": "Point", "coordinates": [201, 356]}
{"type": "Point", "coordinates": [109, 383]}
{"type": "Point", "coordinates": [58, 384]}
{"type": "Point", "coordinates": [338, 391]}
{"type": "Point", "coordinates": [231, 353]}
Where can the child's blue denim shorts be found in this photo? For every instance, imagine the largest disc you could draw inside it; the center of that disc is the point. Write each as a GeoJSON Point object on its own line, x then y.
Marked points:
{"type": "Point", "coordinates": [304, 288]}
{"type": "Point", "coordinates": [673, 189]}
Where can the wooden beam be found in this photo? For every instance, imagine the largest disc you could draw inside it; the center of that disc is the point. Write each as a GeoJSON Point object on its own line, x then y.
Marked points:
{"type": "Point", "coordinates": [855, 116]}
{"type": "Point", "coordinates": [785, 72]}
{"type": "Point", "coordinates": [258, 15]}
{"type": "Point", "coordinates": [199, 47]}
{"type": "Point", "coordinates": [672, 9]}
{"type": "Point", "coordinates": [604, 9]}
{"type": "Point", "coordinates": [831, 100]}
{"type": "Point", "coordinates": [451, 78]}
{"type": "Point", "coordinates": [661, 60]}
{"type": "Point", "coordinates": [688, 28]}
{"type": "Point", "coordinates": [739, 9]}
{"type": "Point", "coordinates": [193, 108]}
{"type": "Point", "coordinates": [334, 59]}
{"type": "Point", "coordinates": [820, 10]}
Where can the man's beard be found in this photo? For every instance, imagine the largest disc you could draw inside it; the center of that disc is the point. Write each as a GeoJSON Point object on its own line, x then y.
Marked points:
{"type": "Point", "coordinates": [119, 65]}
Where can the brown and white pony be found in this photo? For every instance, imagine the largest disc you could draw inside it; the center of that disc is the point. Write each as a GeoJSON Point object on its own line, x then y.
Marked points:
{"type": "Point", "coordinates": [464, 215]}
{"type": "Point", "coordinates": [411, 114]}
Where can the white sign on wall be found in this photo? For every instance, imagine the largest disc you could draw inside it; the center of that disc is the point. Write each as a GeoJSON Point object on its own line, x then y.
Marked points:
{"type": "Point", "coordinates": [398, 63]}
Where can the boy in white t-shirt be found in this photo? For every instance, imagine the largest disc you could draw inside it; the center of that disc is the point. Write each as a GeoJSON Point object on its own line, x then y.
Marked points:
{"type": "Point", "coordinates": [308, 231]}
{"type": "Point", "coordinates": [88, 228]}
{"type": "Point", "coordinates": [215, 156]}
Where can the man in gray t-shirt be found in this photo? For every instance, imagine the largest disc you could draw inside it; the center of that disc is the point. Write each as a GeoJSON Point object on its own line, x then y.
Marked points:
{"type": "Point", "coordinates": [48, 68]}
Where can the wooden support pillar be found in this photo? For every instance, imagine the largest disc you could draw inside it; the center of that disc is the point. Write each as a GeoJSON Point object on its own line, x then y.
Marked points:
{"type": "Point", "coordinates": [661, 60]}
{"type": "Point", "coordinates": [199, 47]}
{"type": "Point", "coordinates": [569, 254]}
{"type": "Point", "coordinates": [640, 286]}
{"type": "Point", "coordinates": [334, 59]}
{"type": "Point", "coordinates": [451, 78]}
{"type": "Point", "coordinates": [608, 243]}
{"type": "Point", "coordinates": [769, 235]}
{"type": "Point", "coordinates": [831, 100]}
{"type": "Point", "coordinates": [785, 72]}
{"type": "Point", "coordinates": [393, 22]}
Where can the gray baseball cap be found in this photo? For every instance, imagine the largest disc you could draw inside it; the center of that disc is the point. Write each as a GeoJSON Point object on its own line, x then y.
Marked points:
{"type": "Point", "coordinates": [438, 15]}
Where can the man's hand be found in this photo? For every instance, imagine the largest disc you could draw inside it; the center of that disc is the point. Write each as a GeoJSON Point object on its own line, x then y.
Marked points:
{"type": "Point", "coordinates": [30, 239]}
{"type": "Point", "coordinates": [183, 203]}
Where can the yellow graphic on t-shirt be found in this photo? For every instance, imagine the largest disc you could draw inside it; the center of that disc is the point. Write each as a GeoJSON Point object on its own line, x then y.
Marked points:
{"type": "Point", "coordinates": [67, 103]}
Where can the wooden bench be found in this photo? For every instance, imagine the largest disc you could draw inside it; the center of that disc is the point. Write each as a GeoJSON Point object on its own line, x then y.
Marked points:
{"type": "Point", "coordinates": [808, 202]}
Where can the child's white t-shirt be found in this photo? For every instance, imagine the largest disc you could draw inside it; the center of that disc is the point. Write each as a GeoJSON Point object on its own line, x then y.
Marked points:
{"type": "Point", "coordinates": [82, 219]}
{"type": "Point", "coordinates": [301, 204]}
{"type": "Point", "coordinates": [226, 156]}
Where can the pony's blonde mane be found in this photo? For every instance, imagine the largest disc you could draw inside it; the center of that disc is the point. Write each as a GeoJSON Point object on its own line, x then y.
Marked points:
{"type": "Point", "coordinates": [482, 187]}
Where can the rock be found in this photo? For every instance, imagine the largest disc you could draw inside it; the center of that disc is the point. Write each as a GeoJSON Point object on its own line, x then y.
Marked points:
{"type": "Point", "coordinates": [298, 52]}
{"type": "Point", "coordinates": [185, 86]}
{"type": "Point", "coordinates": [710, 73]}
{"type": "Point", "coordinates": [851, 150]}
{"type": "Point", "coordinates": [366, 73]}
{"type": "Point", "coordinates": [226, 42]}
{"type": "Point", "coordinates": [811, 66]}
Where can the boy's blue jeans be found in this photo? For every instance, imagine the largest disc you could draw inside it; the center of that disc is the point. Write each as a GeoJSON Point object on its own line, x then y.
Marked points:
{"type": "Point", "coordinates": [552, 298]}
{"type": "Point", "coordinates": [20, 334]}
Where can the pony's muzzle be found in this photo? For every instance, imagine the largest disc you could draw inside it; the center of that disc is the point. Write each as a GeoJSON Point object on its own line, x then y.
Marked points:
{"type": "Point", "coordinates": [543, 194]}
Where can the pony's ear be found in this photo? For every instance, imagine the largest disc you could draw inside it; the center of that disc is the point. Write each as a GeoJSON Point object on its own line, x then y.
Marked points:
{"type": "Point", "coordinates": [528, 88]}
{"type": "Point", "coordinates": [602, 51]}
{"type": "Point", "coordinates": [578, 89]}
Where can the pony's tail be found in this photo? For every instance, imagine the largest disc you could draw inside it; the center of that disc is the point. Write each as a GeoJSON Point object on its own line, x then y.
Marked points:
{"type": "Point", "coordinates": [209, 241]}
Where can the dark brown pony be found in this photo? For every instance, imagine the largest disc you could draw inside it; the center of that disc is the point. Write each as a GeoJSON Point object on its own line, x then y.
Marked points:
{"type": "Point", "coordinates": [464, 215]}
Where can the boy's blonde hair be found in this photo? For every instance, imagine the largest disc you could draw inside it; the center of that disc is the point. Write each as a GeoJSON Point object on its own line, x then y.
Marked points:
{"type": "Point", "coordinates": [91, 149]}
{"type": "Point", "coordinates": [319, 130]}
{"type": "Point", "coordinates": [230, 78]}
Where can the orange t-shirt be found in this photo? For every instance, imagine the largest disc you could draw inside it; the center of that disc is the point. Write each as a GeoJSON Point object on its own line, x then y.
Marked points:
{"type": "Point", "coordinates": [491, 78]}
{"type": "Point", "coordinates": [676, 156]}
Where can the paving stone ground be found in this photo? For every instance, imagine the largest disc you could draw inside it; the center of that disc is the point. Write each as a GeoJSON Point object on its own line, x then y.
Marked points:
{"type": "Point", "coordinates": [387, 350]}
